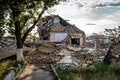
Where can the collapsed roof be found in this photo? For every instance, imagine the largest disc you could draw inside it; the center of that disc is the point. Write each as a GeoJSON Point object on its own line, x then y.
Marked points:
{"type": "Point", "coordinates": [69, 28]}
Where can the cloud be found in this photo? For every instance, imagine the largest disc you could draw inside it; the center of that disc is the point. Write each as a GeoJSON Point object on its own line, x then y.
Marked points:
{"type": "Point", "coordinates": [90, 24]}
{"type": "Point", "coordinates": [108, 4]}
{"type": "Point", "coordinates": [84, 8]}
{"type": "Point", "coordinates": [96, 3]}
{"type": "Point", "coordinates": [90, 15]}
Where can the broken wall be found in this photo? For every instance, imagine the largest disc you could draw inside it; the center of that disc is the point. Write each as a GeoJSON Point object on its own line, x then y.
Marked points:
{"type": "Point", "coordinates": [57, 28]}
{"type": "Point", "coordinates": [57, 37]}
{"type": "Point", "coordinates": [78, 36]}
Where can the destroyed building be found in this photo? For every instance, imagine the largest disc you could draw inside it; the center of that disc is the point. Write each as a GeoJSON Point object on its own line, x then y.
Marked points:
{"type": "Point", "coordinates": [55, 29]}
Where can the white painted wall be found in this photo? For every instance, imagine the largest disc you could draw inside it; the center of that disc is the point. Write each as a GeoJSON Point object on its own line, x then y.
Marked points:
{"type": "Point", "coordinates": [57, 37]}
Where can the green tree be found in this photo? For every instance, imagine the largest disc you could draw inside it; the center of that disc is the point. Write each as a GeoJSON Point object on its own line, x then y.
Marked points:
{"type": "Point", "coordinates": [2, 31]}
{"type": "Point", "coordinates": [22, 16]}
{"type": "Point", "coordinates": [1, 23]}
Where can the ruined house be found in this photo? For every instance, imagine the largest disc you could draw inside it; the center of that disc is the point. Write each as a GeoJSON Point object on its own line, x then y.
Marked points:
{"type": "Point", "coordinates": [55, 29]}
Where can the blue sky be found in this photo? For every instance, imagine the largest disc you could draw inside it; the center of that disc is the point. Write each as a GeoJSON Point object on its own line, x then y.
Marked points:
{"type": "Point", "coordinates": [91, 16]}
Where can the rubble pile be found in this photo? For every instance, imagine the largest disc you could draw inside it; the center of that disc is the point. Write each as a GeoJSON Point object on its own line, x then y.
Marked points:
{"type": "Point", "coordinates": [60, 54]}
{"type": "Point", "coordinates": [116, 49]}
{"type": "Point", "coordinates": [48, 48]}
{"type": "Point", "coordinates": [79, 56]}
{"type": "Point", "coordinates": [9, 43]}
{"type": "Point", "coordinates": [115, 53]}
{"type": "Point", "coordinates": [86, 57]}
{"type": "Point", "coordinates": [43, 56]}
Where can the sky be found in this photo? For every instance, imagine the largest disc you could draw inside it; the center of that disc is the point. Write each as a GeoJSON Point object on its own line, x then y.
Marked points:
{"type": "Point", "coordinates": [91, 16]}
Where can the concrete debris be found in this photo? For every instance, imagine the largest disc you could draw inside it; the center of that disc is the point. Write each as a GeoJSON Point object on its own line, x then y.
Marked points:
{"type": "Point", "coordinates": [43, 67]}
{"type": "Point", "coordinates": [43, 56]}
{"type": "Point", "coordinates": [8, 43]}
{"type": "Point", "coordinates": [64, 57]}
{"type": "Point", "coordinates": [88, 58]}
{"type": "Point", "coordinates": [84, 65]}
{"type": "Point", "coordinates": [47, 48]}
{"type": "Point", "coordinates": [90, 50]}
{"type": "Point", "coordinates": [67, 60]}
{"type": "Point", "coordinates": [74, 48]}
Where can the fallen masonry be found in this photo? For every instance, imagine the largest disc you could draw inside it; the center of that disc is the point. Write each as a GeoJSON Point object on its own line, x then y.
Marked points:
{"type": "Point", "coordinates": [43, 56]}
{"type": "Point", "coordinates": [61, 54]}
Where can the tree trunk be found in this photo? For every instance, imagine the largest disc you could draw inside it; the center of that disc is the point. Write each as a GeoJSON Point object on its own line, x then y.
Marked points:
{"type": "Point", "coordinates": [19, 54]}
{"type": "Point", "coordinates": [107, 57]}
{"type": "Point", "coordinates": [15, 13]}
{"type": "Point", "coordinates": [19, 46]}
{"type": "Point", "coordinates": [19, 41]}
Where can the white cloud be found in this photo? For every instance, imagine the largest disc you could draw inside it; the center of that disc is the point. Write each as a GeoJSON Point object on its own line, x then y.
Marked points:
{"type": "Point", "coordinates": [103, 13]}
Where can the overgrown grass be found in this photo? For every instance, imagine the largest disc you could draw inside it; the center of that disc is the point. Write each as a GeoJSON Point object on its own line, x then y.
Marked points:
{"type": "Point", "coordinates": [4, 68]}
{"type": "Point", "coordinates": [6, 65]}
{"type": "Point", "coordinates": [99, 72]}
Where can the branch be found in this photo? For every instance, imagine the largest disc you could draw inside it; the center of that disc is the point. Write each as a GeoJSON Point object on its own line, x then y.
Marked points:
{"type": "Point", "coordinates": [25, 22]}
{"type": "Point", "coordinates": [30, 29]}
{"type": "Point", "coordinates": [23, 25]}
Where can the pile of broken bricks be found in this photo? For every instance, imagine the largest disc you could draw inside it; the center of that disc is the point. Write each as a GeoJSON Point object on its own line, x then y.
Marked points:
{"type": "Point", "coordinates": [47, 54]}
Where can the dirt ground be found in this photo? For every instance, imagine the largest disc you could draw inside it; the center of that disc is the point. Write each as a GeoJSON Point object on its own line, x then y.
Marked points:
{"type": "Point", "coordinates": [33, 72]}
